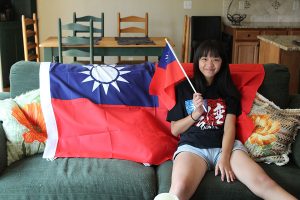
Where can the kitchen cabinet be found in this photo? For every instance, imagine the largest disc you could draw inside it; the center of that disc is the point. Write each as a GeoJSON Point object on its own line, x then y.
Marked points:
{"type": "Point", "coordinates": [294, 32]}
{"type": "Point", "coordinates": [246, 44]}
{"type": "Point", "coordinates": [245, 51]}
{"type": "Point", "coordinates": [281, 50]}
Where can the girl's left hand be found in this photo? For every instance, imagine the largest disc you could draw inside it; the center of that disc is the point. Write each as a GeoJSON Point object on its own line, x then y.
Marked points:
{"type": "Point", "coordinates": [223, 165]}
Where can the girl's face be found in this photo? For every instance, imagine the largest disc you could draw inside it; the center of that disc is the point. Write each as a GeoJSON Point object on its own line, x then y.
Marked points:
{"type": "Point", "coordinates": [209, 67]}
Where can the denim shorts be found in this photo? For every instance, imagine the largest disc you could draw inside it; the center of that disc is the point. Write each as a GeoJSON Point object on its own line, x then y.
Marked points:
{"type": "Point", "coordinates": [210, 156]}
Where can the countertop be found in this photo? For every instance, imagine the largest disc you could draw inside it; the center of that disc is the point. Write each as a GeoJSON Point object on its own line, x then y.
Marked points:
{"type": "Point", "coordinates": [265, 25]}
{"type": "Point", "coordinates": [284, 42]}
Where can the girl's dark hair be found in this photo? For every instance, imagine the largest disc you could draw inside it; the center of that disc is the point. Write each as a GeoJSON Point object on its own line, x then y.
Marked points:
{"type": "Point", "coordinates": [223, 78]}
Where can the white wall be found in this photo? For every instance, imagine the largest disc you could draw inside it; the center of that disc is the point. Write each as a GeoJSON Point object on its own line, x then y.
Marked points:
{"type": "Point", "coordinates": [165, 16]}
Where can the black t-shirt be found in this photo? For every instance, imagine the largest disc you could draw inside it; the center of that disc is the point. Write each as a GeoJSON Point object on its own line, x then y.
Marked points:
{"type": "Point", "coordinates": [208, 132]}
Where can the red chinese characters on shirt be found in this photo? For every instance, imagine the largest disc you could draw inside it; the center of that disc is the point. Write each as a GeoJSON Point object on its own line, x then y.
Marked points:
{"type": "Point", "coordinates": [215, 116]}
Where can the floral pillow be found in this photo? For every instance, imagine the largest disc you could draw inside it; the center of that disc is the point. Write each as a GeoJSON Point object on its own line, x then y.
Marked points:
{"type": "Point", "coordinates": [275, 130]}
{"type": "Point", "coordinates": [24, 125]}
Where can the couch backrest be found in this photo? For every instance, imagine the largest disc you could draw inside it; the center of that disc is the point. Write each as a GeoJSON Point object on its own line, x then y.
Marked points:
{"type": "Point", "coordinates": [275, 86]}
{"type": "Point", "coordinates": [24, 76]}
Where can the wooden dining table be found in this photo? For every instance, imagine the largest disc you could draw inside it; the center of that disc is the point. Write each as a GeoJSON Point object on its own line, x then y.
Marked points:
{"type": "Point", "coordinates": [108, 46]}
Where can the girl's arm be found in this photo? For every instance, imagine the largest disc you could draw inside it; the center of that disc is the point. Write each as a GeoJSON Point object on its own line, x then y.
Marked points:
{"type": "Point", "coordinates": [183, 124]}
{"type": "Point", "coordinates": [180, 126]}
{"type": "Point", "coordinates": [229, 135]}
{"type": "Point", "coordinates": [227, 144]}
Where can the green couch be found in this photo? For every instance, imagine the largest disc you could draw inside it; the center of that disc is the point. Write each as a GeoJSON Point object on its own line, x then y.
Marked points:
{"type": "Point", "coordinates": [85, 178]}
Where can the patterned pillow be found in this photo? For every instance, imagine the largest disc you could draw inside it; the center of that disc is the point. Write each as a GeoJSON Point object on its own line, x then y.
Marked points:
{"type": "Point", "coordinates": [275, 130]}
{"type": "Point", "coordinates": [24, 125]}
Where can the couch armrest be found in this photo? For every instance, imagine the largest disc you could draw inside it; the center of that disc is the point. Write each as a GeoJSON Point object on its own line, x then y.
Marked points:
{"type": "Point", "coordinates": [3, 151]}
{"type": "Point", "coordinates": [4, 95]}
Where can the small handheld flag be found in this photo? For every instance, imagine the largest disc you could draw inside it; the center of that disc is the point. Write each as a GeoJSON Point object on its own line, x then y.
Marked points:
{"type": "Point", "coordinates": [169, 71]}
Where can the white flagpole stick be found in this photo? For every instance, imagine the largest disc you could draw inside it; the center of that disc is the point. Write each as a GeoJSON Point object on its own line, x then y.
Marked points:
{"type": "Point", "coordinates": [186, 76]}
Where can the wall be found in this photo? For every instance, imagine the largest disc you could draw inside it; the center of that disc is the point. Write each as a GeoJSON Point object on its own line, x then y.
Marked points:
{"type": "Point", "coordinates": [265, 10]}
{"type": "Point", "coordinates": [165, 16]}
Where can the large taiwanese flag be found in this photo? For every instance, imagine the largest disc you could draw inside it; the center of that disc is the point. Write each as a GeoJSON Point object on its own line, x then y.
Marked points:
{"type": "Point", "coordinates": [104, 111]}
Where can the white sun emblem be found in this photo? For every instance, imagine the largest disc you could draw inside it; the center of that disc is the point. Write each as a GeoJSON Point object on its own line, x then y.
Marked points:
{"type": "Point", "coordinates": [167, 57]}
{"type": "Point", "coordinates": [104, 75]}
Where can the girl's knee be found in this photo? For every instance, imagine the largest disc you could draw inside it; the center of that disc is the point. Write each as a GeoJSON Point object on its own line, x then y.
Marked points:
{"type": "Point", "coordinates": [263, 183]}
{"type": "Point", "coordinates": [264, 180]}
{"type": "Point", "coordinates": [179, 187]}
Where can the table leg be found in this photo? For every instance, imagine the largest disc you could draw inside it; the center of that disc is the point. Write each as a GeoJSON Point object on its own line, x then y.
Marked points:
{"type": "Point", "coordinates": [49, 53]}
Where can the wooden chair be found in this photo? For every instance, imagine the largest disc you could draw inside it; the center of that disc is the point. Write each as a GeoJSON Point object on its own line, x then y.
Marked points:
{"type": "Point", "coordinates": [30, 38]}
{"type": "Point", "coordinates": [186, 39]}
{"type": "Point", "coordinates": [98, 28]}
{"type": "Point", "coordinates": [71, 46]}
{"type": "Point", "coordinates": [132, 26]}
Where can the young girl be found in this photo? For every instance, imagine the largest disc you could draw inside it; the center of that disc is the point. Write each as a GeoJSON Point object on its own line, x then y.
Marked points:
{"type": "Point", "coordinates": [207, 139]}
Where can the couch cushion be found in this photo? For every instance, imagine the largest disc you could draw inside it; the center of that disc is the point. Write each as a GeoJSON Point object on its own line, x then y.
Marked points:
{"type": "Point", "coordinates": [76, 178]}
{"type": "Point", "coordinates": [24, 76]}
{"type": "Point", "coordinates": [275, 86]}
{"type": "Point", "coordinates": [212, 187]}
{"type": "Point", "coordinates": [287, 176]}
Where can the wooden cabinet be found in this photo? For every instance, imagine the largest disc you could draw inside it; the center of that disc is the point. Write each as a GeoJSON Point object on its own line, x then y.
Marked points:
{"type": "Point", "coordinates": [270, 53]}
{"type": "Point", "coordinates": [245, 44]}
{"type": "Point", "coordinates": [294, 31]}
{"type": "Point", "coordinates": [245, 52]}
{"type": "Point", "coordinates": [245, 47]}
{"type": "Point", "coordinates": [274, 32]}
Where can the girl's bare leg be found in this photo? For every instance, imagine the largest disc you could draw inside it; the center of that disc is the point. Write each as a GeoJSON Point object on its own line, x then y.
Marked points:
{"type": "Point", "coordinates": [255, 178]}
{"type": "Point", "coordinates": [188, 171]}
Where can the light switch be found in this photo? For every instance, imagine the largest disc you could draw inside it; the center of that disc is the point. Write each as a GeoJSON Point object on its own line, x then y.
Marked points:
{"type": "Point", "coordinates": [241, 5]}
{"type": "Point", "coordinates": [187, 4]}
{"type": "Point", "coordinates": [296, 4]}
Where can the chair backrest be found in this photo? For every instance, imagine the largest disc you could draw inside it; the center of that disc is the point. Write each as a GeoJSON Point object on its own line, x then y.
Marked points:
{"type": "Point", "coordinates": [98, 28]}
{"type": "Point", "coordinates": [204, 28]}
{"type": "Point", "coordinates": [141, 24]}
{"type": "Point", "coordinates": [30, 38]}
{"type": "Point", "coordinates": [98, 23]}
{"type": "Point", "coordinates": [75, 46]}
{"type": "Point", "coordinates": [185, 39]}
{"type": "Point", "coordinates": [132, 26]}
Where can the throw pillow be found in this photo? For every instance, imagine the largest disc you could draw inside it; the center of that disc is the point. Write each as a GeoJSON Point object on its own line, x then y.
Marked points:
{"type": "Point", "coordinates": [275, 130]}
{"type": "Point", "coordinates": [24, 125]}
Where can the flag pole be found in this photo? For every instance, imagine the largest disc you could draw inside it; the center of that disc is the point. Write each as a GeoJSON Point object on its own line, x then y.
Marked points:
{"type": "Point", "coordinates": [186, 76]}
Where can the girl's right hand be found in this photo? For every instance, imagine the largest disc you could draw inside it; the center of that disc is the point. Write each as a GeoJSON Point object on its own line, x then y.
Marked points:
{"type": "Point", "coordinates": [198, 103]}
